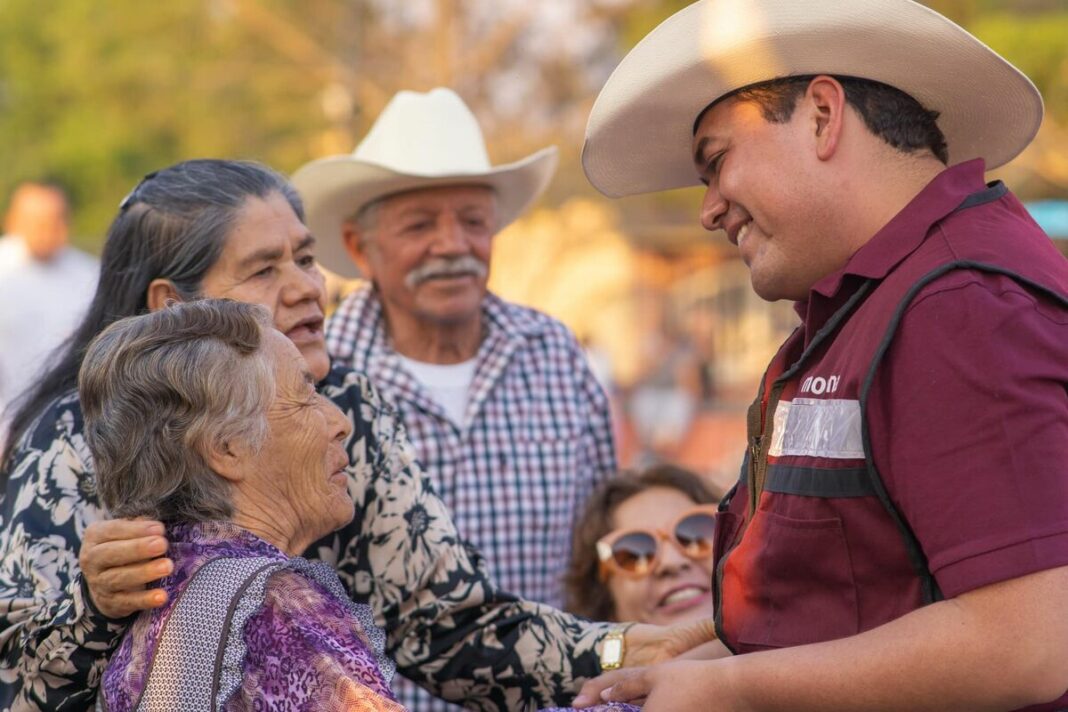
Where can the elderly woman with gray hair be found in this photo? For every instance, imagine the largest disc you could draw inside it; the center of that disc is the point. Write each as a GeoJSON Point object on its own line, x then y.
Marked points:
{"type": "Point", "coordinates": [206, 418]}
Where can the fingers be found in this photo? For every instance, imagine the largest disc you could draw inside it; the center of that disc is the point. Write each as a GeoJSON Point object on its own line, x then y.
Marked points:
{"type": "Point", "coordinates": [117, 553]}
{"type": "Point", "coordinates": [632, 687]}
{"type": "Point", "coordinates": [590, 694]}
{"type": "Point", "coordinates": [120, 605]}
{"type": "Point", "coordinates": [117, 559]}
{"type": "Point", "coordinates": [120, 529]}
{"type": "Point", "coordinates": [127, 578]}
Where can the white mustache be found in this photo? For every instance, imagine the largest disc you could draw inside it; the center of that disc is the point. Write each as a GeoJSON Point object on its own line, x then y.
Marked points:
{"type": "Point", "coordinates": [445, 267]}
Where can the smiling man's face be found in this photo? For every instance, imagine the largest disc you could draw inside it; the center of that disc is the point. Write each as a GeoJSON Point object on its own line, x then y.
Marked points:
{"type": "Point", "coordinates": [762, 191]}
{"type": "Point", "coordinates": [428, 252]}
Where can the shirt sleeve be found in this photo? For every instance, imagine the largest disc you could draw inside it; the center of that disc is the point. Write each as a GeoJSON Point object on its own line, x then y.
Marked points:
{"type": "Point", "coordinates": [974, 391]}
{"type": "Point", "coordinates": [53, 644]}
{"type": "Point", "coordinates": [447, 626]}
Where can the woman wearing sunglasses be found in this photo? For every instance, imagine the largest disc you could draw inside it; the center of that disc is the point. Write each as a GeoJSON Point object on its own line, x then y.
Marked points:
{"type": "Point", "coordinates": [642, 550]}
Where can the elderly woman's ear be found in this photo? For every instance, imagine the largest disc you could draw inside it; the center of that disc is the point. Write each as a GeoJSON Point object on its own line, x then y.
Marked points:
{"type": "Point", "coordinates": [160, 292]}
{"type": "Point", "coordinates": [229, 459]}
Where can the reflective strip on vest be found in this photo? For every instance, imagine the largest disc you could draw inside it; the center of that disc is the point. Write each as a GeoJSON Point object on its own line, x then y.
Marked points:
{"type": "Point", "coordinates": [807, 427]}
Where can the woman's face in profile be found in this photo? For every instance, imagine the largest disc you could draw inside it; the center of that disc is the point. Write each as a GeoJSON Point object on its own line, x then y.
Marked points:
{"type": "Point", "coordinates": [301, 468]}
{"type": "Point", "coordinates": [678, 588]}
{"type": "Point", "coordinates": [269, 259]}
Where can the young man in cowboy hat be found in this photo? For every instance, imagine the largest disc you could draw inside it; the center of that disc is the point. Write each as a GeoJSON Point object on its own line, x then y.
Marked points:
{"type": "Point", "coordinates": [899, 535]}
{"type": "Point", "coordinates": [498, 400]}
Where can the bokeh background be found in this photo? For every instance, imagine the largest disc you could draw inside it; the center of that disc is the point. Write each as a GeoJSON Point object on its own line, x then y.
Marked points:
{"type": "Point", "coordinates": [96, 94]}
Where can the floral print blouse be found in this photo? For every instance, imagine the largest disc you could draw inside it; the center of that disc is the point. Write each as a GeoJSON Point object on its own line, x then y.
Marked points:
{"type": "Point", "coordinates": [447, 626]}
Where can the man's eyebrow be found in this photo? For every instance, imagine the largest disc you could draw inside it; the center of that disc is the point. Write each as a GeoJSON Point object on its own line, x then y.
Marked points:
{"type": "Point", "coordinates": [305, 243]}
{"type": "Point", "coordinates": [416, 210]}
{"type": "Point", "coordinates": [699, 151]}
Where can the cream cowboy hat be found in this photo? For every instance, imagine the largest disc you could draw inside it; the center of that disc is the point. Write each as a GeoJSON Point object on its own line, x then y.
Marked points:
{"type": "Point", "coordinates": [639, 132]}
{"type": "Point", "coordinates": [418, 141]}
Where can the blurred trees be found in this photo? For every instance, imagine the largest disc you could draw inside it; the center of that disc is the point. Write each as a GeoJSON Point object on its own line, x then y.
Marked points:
{"type": "Point", "coordinates": [97, 94]}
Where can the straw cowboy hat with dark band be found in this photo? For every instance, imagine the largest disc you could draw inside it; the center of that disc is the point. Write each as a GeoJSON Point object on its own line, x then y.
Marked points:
{"type": "Point", "coordinates": [639, 132]}
{"type": "Point", "coordinates": [418, 141]}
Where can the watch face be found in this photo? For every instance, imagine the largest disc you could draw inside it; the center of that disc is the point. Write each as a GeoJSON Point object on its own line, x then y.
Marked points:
{"type": "Point", "coordinates": [612, 652]}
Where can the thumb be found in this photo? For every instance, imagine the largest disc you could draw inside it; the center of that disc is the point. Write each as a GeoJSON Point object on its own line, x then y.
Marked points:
{"type": "Point", "coordinates": [631, 688]}
{"type": "Point", "coordinates": [591, 691]}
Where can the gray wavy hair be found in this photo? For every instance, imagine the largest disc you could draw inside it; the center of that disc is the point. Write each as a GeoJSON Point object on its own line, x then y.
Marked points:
{"type": "Point", "coordinates": [161, 391]}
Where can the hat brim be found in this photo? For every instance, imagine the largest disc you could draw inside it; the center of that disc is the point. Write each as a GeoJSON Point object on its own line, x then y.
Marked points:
{"type": "Point", "coordinates": [335, 188]}
{"type": "Point", "coordinates": [639, 134]}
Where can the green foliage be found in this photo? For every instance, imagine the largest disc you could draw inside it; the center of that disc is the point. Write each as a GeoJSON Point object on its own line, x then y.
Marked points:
{"type": "Point", "coordinates": [97, 94]}
{"type": "Point", "coordinates": [644, 17]}
{"type": "Point", "coordinates": [1038, 45]}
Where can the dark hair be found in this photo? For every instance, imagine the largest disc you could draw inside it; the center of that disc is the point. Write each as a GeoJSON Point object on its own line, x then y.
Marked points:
{"type": "Point", "coordinates": [584, 592]}
{"type": "Point", "coordinates": [889, 113]}
{"type": "Point", "coordinates": [160, 392]}
{"type": "Point", "coordinates": [173, 225]}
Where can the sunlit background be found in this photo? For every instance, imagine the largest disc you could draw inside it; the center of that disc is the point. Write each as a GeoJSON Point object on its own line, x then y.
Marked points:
{"type": "Point", "coordinates": [95, 94]}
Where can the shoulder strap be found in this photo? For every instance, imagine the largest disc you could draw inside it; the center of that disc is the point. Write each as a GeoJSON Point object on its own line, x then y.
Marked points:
{"type": "Point", "coordinates": [931, 592]}
{"type": "Point", "coordinates": [189, 655]}
{"type": "Point", "coordinates": [994, 191]}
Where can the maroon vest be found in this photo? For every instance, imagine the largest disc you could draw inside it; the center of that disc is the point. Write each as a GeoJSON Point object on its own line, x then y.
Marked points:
{"type": "Point", "coordinates": [810, 545]}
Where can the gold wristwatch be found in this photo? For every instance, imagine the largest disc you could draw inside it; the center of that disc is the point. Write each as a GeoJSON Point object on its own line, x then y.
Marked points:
{"type": "Point", "coordinates": [613, 648]}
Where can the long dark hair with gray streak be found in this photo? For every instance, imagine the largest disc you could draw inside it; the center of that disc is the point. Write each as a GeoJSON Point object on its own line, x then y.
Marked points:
{"type": "Point", "coordinates": [173, 225]}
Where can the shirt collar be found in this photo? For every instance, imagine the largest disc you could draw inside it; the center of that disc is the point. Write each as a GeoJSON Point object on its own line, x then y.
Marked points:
{"type": "Point", "coordinates": [900, 237]}
{"type": "Point", "coordinates": [507, 328]}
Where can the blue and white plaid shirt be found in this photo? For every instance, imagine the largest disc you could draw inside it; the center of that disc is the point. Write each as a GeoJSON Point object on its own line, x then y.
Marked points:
{"type": "Point", "coordinates": [536, 438]}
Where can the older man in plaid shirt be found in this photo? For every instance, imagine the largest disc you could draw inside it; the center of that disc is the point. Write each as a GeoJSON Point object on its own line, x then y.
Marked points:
{"type": "Point", "coordinates": [498, 400]}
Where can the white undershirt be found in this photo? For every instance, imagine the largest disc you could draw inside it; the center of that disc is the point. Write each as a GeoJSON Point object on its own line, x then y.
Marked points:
{"type": "Point", "coordinates": [447, 384]}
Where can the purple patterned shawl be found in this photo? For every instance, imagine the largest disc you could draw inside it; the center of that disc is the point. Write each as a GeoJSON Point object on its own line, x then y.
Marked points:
{"type": "Point", "coordinates": [307, 647]}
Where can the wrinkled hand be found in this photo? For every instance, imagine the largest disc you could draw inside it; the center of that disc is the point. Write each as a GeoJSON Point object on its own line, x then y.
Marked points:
{"type": "Point", "coordinates": [651, 644]}
{"type": "Point", "coordinates": [668, 687]}
{"type": "Point", "coordinates": [118, 558]}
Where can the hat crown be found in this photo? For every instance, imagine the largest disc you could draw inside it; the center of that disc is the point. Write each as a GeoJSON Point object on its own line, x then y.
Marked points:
{"type": "Point", "coordinates": [427, 134]}
{"type": "Point", "coordinates": [418, 141]}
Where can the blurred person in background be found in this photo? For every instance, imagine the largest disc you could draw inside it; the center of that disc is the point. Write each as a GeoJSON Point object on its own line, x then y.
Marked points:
{"type": "Point", "coordinates": [642, 549]}
{"type": "Point", "coordinates": [233, 229]}
{"type": "Point", "coordinates": [665, 400]}
{"type": "Point", "coordinates": [898, 538]}
{"type": "Point", "coordinates": [499, 401]}
{"type": "Point", "coordinates": [45, 286]}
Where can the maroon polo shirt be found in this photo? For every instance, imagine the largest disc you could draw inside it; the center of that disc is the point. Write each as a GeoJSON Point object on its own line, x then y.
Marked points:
{"type": "Point", "coordinates": [969, 419]}
{"type": "Point", "coordinates": [965, 421]}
